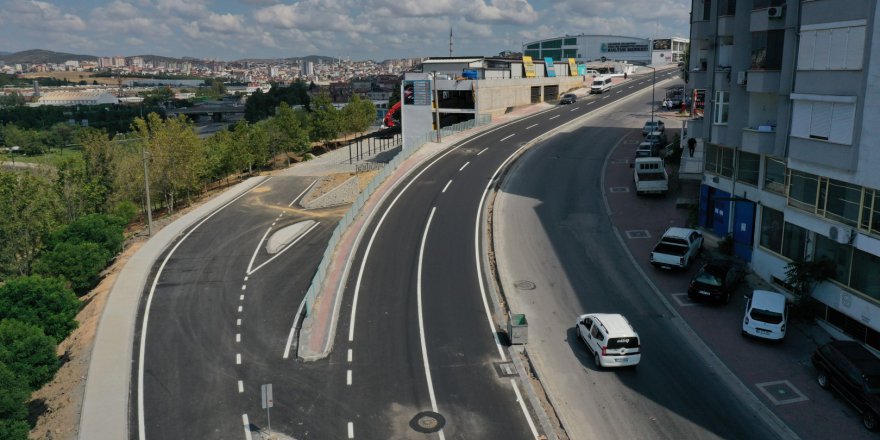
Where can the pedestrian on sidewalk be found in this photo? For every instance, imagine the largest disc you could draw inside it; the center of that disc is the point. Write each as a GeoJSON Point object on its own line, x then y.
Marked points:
{"type": "Point", "coordinates": [692, 145]}
{"type": "Point", "coordinates": [624, 76]}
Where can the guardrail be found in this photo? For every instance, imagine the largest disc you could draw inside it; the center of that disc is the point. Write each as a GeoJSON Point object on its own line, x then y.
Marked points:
{"type": "Point", "coordinates": [355, 209]}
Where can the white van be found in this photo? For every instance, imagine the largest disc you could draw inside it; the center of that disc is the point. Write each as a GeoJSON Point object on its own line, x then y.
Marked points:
{"type": "Point", "coordinates": [766, 315]}
{"type": "Point", "coordinates": [610, 338]}
{"type": "Point", "coordinates": [600, 84]}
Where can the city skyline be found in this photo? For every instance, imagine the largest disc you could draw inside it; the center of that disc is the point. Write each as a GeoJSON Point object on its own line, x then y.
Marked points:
{"type": "Point", "coordinates": [373, 29]}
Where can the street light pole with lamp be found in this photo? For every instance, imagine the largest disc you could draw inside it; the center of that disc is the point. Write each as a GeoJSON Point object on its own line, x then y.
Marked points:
{"type": "Point", "coordinates": [653, 82]}
{"type": "Point", "coordinates": [436, 103]}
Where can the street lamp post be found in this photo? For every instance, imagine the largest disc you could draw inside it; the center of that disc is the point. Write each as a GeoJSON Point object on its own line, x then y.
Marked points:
{"type": "Point", "coordinates": [436, 104]}
{"type": "Point", "coordinates": [653, 100]}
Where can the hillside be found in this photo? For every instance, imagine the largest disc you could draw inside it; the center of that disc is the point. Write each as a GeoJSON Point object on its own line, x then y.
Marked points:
{"type": "Point", "coordinates": [38, 56]}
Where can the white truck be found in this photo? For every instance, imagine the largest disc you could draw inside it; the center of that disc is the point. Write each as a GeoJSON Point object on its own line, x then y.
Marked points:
{"type": "Point", "coordinates": [650, 176]}
{"type": "Point", "coordinates": [677, 248]}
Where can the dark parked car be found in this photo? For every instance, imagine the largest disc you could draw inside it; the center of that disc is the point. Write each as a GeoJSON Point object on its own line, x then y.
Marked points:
{"type": "Point", "coordinates": [657, 137]}
{"type": "Point", "coordinates": [852, 370]}
{"type": "Point", "coordinates": [717, 280]}
{"type": "Point", "coordinates": [651, 126]}
{"type": "Point", "coordinates": [568, 98]}
{"type": "Point", "coordinates": [647, 149]}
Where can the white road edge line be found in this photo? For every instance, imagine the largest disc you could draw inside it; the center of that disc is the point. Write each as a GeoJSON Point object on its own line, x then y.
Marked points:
{"type": "Point", "coordinates": [422, 317]}
{"type": "Point", "coordinates": [257, 249]}
{"type": "Point", "coordinates": [301, 236]}
{"type": "Point", "coordinates": [463, 166]}
{"type": "Point", "coordinates": [522, 404]}
{"type": "Point", "coordinates": [531, 126]}
{"type": "Point", "coordinates": [447, 186]}
{"type": "Point", "coordinates": [482, 151]}
{"type": "Point", "coordinates": [143, 336]}
{"type": "Point", "coordinates": [247, 427]}
{"type": "Point", "coordinates": [293, 329]}
{"type": "Point", "coordinates": [511, 135]}
{"type": "Point", "coordinates": [302, 193]}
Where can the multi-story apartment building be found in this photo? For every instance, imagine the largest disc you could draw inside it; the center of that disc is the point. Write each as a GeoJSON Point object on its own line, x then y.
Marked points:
{"type": "Point", "coordinates": [791, 142]}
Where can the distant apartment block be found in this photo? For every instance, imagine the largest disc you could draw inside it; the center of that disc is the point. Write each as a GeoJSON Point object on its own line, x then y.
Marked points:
{"type": "Point", "coordinates": [790, 130]}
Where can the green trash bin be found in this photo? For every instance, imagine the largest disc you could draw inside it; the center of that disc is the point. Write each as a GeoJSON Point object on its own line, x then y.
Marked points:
{"type": "Point", "coordinates": [517, 328]}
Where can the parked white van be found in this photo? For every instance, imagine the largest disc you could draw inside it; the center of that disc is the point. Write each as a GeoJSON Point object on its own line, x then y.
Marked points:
{"type": "Point", "coordinates": [766, 315]}
{"type": "Point", "coordinates": [610, 338]}
{"type": "Point", "coordinates": [600, 84]}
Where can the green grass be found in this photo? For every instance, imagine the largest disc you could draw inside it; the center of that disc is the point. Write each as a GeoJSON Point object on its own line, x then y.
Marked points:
{"type": "Point", "coordinates": [52, 158]}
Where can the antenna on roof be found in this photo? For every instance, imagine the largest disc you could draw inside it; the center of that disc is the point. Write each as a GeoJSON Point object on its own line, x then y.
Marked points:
{"type": "Point", "coordinates": [450, 41]}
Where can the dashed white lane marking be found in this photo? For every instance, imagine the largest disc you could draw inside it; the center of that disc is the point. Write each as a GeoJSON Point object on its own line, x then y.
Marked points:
{"type": "Point", "coordinates": [237, 358]}
{"type": "Point", "coordinates": [245, 278]}
{"type": "Point", "coordinates": [241, 298]}
{"type": "Point", "coordinates": [240, 308]}
{"type": "Point", "coordinates": [350, 430]}
{"type": "Point", "coordinates": [508, 137]}
{"type": "Point", "coordinates": [238, 321]}
{"type": "Point", "coordinates": [554, 117]}
{"type": "Point", "coordinates": [273, 223]}
{"type": "Point", "coordinates": [531, 126]}
{"type": "Point", "coordinates": [348, 377]}
{"type": "Point", "coordinates": [447, 185]}
{"type": "Point", "coordinates": [247, 427]}
{"type": "Point", "coordinates": [630, 87]}
{"type": "Point", "coordinates": [463, 166]}
{"type": "Point", "coordinates": [349, 355]}
{"type": "Point", "coordinates": [240, 386]}
{"type": "Point", "coordinates": [574, 109]}
{"type": "Point", "coordinates": [482, 151]}
{"type": "Point", "coordinates": [238, 337]}
{"type": "Point", "coordinates": [244, 287]}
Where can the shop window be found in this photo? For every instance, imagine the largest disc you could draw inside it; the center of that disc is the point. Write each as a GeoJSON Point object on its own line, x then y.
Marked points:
{"type": "Point", "coordinates": [771, 229]}
{"type": "Point", "coordinates": [839, 254]}
{"type": "Point", "coordinates": [794, 240]}
{"type": "Point", "coordinates": [866, 273]}
{"type": "Point", "coordinates": [774, 175]}
{"type": "Point", "coordinates": [747, 168]}
{"type": "Point", "coordinates": [802, 190]}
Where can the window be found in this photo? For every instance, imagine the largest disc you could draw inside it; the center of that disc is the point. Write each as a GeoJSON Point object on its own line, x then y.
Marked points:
{"type": "Point", "coordinates": [866, 273]}
{"type": "Point", "coordinates": [569, 53]}
{"type": "Point", "coordinates": [802, 190]}
{"type": "Point", "coordinates": [771, 229]}
{"type": "Point", "coordinates": [571, 42]}
{"type": "Point", "coordinates": [760, 4]}
{"type": "Point", "coordinates": [747, 168]}
{"type": "Point", "coordinates": [555, 54]}
{"type": "Point", "coordinates": [823, 117]}
{"type": "Point", "coordinates": [552, 44]}
{"type": "Point", "coordinates": [871, 211]}
{"type": "Point", "coordinates": [767, 49]}
{"type": "Point", "coordinates": [841, 200]}
{"type": "Point", "coordinates": [840, 254]}
{"type": "Point", "coordinates": [718, 160]}
{"type": "Point", "coordinates": [534, 46]}
{"type": "Point", "coordinates": [721, 106]}
{"type": "Point", "coordinates": [832, 46]}
{"type": "Point", "coordinates": [774, 175]}
{"type": "Point", "coordinates": [727, 7]}
{"type": "Point", "coordinates": [794, 240]}
{"type": "Point", "coordinates": [707, 10]}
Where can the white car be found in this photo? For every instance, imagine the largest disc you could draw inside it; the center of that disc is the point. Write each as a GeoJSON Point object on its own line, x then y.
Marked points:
{"type": "Point", "coordinates": [610, 338]}
{"type": "Point", "coordinates": [766, 315]}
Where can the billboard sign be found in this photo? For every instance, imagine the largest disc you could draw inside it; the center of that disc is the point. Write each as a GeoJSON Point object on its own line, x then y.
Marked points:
{"type": "Point", "coordinates": [572, 67]}
{"type": "Point", "coordinates": [551, 71]}
{"type": "Point", "coordinates": [417, 92]}
{"type": "Point", "coordinates": [529, 66]}
{"type": "Point", "coordinates": [662, 44]}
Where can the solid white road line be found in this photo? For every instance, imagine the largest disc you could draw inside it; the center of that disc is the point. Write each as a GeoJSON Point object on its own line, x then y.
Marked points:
{"type": "Point", "coordinates": [447, 186]}
{"type": "Point", "coordinates": [247, 427]}
{"type": "Point", "coordinates": [350, 430]}
{"type": "Point", "coordinates": [510, 136]}
{"type": "Point", "coordinates": [240, 386]}
{"type": "Point", "coordinates": [257, 249]}
{"type": "Point", "coordinates": [293, 329]}
{"type": "Point", "coordinates": [143, 341]}
{"type": "Point", "coordinates": [237, 358]}
{"type": "Point", "coordinates": [554, 117]}
{"type": "Point", "coordinates": [348, 377]}
{"type": "Point", "coordinates": [349, 355]}
{"type": "Point", "coordinates": [422, 317]}
{"type": "Point", "coordinates": [482, 151]}
{"type": "Point", "coordinates": [463, 166]}
{"type": "Point", "coordinates": [301, 236]}
{"type": "Point", "coordinates": [531, 126]}
{"type": "Point", "coordinates": [301, 194]}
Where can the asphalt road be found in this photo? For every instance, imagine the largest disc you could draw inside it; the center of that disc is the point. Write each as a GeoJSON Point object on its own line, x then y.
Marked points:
{"type": "Point", "coordinates": [552, 230]}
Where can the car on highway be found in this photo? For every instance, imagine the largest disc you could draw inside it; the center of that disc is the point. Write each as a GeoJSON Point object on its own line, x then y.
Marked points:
{"type": "Point", "coordinates": [766, 315]}
{"type": "Point", "coordinates": [610, 338]}
{"type": "Point", "coordinates": [716, 280]}
{"type": "Point", "coordinates": [568, 98]}
{"type": "Point", "coordinates": [854, 372]}
{"type": "Point", "coordinates": [651, 126]}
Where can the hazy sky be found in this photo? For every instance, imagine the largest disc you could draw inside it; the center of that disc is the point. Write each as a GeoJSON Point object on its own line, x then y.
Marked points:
{"type": "Point", "coordinates": [357, 29]}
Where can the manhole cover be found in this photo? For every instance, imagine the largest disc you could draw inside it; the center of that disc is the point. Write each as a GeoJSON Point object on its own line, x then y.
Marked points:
{"type": "Point", "coordinates": [524, 285]}
{"type": "Point", "coordinates": [505, 369]}
{"type": "Point", "coordinates": [427, 422]}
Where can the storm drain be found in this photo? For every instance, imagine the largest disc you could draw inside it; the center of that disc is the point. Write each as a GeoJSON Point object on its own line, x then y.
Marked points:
{"type": "Point", "coordinates": [619, 189]}
{"type": "Point", "coordinates": [638, 233]}
{"type": "Point", "coordinates": [505, 369]}
{"type": "Point", "coordinates": [781, 392]}
{"type": "Point", "coordinates": [427, 422]}
{"type": "Point", "coordinates": [524, 285]}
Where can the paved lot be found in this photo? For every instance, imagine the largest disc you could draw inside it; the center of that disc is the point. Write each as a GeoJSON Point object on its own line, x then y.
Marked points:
{"type": "Point", "coordinates": [781, 375]}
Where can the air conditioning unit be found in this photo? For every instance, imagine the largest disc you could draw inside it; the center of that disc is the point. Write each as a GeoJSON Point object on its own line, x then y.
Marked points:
{"type": "Point", "coordinates": [776, 12]}
{"type": "Point", "coordinates": [742, 78]}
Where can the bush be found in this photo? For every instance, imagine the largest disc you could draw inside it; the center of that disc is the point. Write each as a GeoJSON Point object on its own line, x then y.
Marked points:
{"type": "Point", "coordinates": [14, 396]}
{"type": "Point", "coordinates": [105, 230]}
{"type": "Point", "coordinates": [44, 302]}
{"type": "Point", "coordinates": [13, 429]}
{"type": "Point", "coordinates": [28, 352]}
{"type": "Point", "coordinates": [80, 263]}
{"type": "Point", "coordinates": [125, 211]}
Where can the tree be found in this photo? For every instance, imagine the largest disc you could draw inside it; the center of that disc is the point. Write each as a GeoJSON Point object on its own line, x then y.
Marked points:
{"type": "Point", "coordinates": [325, 120]}
{"type": "Point", "coordinates": [98, 154]}
{"type": "Point", "coordinates": [76, 190]}
{"type": "Point", "coordinates": [12, 399]}
{"type": "Point", "coordinates": [30, 141]}
{"type": "Point", "coordinates": [28, 352]}
{"type": "Point", "coordinates": [289, 130]}
{"type": "Point", "coordinates": [358, 115]}
{"type": "Point", "coordinates": [29, 211]}
{"type": "Point", "coordinates": [14, 429]}
{"type": "Point", "coordinates": [79, 263]}
{"type": "Point", "coordinates": [45, 302]}
{"type": "Point", "coordinates": [102, 229]}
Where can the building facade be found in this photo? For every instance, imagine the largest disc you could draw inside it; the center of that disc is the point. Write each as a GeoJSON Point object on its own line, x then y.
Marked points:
{"type": "Point", "coordinates": [584, 48]}
{"type": "Point", "coordinates": [791, 143]}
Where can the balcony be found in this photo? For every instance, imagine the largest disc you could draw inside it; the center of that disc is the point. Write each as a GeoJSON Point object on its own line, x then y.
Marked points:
{"type": "Point", "coordinates": [759, 140]}
{"type": "Point", "coordinates": [763, 81]}
{"type": "Point", "coordinates": [726, 25]}
{"type": "Point", "coordinates": [761, 20]}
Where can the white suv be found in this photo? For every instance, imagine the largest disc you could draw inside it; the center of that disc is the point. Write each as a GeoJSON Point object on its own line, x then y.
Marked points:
{"type": "Point", "coordinates": [610, 338]}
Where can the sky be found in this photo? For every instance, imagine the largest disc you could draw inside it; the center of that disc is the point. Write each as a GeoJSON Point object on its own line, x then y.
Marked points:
{"type": "Point", "coordinates": [351, 29]}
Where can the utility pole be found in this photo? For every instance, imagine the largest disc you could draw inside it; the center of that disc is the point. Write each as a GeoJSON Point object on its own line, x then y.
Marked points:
{"type": "Point", "coordinates": [450, 41]}
{"type": "Point", "coordinates": [147, 191]}
{"type": "Point", "coordinates": [436, 104]}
